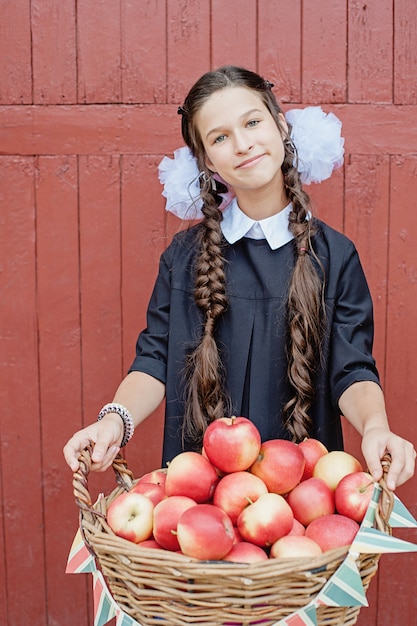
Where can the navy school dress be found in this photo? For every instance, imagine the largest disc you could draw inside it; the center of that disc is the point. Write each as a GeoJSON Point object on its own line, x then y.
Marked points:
{"type": "Point", "coordinates": [251, 334]}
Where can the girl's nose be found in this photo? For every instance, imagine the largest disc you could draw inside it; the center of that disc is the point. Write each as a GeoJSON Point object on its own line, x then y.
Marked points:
{"type": "Point", "coordinates": [242, 143]}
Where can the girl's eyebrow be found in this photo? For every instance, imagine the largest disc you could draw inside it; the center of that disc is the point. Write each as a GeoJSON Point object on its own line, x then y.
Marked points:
{"type": "Point", "coordinates": [218, 129]}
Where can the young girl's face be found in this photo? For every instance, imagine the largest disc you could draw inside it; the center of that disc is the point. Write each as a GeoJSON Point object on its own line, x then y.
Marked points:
{"type": "Point", "coordinates": [242, 141]}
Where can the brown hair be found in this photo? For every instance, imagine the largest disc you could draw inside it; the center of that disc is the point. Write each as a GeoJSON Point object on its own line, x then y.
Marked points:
{"type": "Point", "coordinates": [205, 396]}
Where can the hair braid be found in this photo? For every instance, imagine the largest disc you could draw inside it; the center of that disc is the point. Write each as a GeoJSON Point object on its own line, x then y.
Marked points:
{"type": "Point", "coordinates": [205, 399]}
{"type": "Point", "coordinates": [305, 308]}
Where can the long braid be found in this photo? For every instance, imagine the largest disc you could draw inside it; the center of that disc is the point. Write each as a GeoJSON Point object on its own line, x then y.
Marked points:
{"type": "Point", "coordinates": [205, 399]}
{"type": "Point", "coordinates": [305, 308]}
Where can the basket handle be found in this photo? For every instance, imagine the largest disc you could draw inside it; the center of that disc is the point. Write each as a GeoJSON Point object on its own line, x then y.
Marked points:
{"type": "Point", "coordinates": [386, 499]}
{"type": "Point", "coordinates": [124, 478]}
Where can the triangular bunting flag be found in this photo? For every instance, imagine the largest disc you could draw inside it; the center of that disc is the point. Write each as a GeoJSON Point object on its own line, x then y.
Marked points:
{"type": "Point", "coordinates": [400, 516]}
{"type": "Point", "coordinates": [80, 560]}
{"type": "Point", "coordinates": [104, 605]}
{"type": "Point", "coordinates": [372, 541]}
{"type": "Point", "coordinates": [125, 620]}
{"type": "Point", "coordinates": [303, 617]}
{"type": "Point", "coordinates": [345, 587]}
{"type": "Point", "coordinates": [369, 518]}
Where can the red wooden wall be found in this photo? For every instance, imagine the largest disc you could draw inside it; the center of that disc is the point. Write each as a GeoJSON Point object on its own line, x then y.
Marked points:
{"type": "Point", "coordinates": [88, 99]}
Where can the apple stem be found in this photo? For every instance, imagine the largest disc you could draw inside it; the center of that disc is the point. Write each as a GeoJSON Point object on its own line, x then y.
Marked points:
{"type": "Point", "coordinates": [233, 419]}
{"type": "Point", "coordinates": [249, 500]}
{"type": "Point", "coordinates": [365, 487]}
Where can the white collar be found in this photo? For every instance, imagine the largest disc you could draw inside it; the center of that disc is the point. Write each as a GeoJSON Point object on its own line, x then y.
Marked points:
{"type": "Point", "coordinates": [274, 229]}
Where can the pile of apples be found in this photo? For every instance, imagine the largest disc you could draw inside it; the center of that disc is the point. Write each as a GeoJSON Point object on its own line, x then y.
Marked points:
{"type": "Point", "coordinates": [245, 501]}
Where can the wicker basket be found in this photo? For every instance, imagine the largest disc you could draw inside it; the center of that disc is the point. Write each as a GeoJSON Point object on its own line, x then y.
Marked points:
{"type": "Point", "coordinates": [156, 586]}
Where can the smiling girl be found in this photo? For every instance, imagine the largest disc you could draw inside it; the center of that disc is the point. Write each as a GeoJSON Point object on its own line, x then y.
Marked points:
{"type": "Point", "coordinates": [260, 309]}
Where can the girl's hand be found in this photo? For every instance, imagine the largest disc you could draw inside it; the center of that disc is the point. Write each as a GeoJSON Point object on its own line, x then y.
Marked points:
{"type": "Point", "coordinates": [375, 443]}
{"type": "Point", "coordinates": [105, 435]}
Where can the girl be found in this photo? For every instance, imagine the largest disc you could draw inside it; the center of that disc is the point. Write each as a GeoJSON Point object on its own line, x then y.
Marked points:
{"type": "Point", "coordinates": [259, 310]}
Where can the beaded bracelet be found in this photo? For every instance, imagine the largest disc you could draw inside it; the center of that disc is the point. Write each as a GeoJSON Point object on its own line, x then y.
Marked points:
{"type": "Point", "coordinates": [128, 425]}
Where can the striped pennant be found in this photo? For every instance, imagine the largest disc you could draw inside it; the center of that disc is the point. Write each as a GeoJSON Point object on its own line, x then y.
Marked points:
{"type": "Point", "coordinates": [125, 620]}
{"type": "Point", "coordinates": [80, 560]}
{"type": "Point", "coordinates": [372, 541]}
{"type": "Point", "coordinates": [104, 605]}
{"type": "Point", "coordinates": [400, 516]}
{"type": "Point", "coordinates": [345, 587]}
{"type": "Point", "coordinates": [303, 617]}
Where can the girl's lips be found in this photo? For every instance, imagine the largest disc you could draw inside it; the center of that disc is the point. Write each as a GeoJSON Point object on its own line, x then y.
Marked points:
{"type": "Point", "coordinates": [249, 162]}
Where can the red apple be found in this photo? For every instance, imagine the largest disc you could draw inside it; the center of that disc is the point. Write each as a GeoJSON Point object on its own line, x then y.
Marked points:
{"type": "Point", "coordinates": [332, 531]}
{"type": "Point", "coordinates": [205, 532]}
{"type": "Point", "coordinates": [235, 491]}
{"type": "Point", "coordinates": [313, 450]}
{"type": "Point", "coordinates": [165, 520]}
{"type": "Point", "coordinates": [130, 516]}
{"type": "Point", "coordinates": [157, 476]}
{"type": "Point", "coordinates": [297, 528]}
{"type": "Point", "coordinates": [232, 443]}
{"type": "Point", "coordinates": [153, 491]}
{"type": "Point", "coordinates": [353, 495]}
{"type": "Point", "coordinates": [310, 499]}
{"type": "Point", "coordinates": [266, 520]}
{"type": "Point", "coordinates": [332, 467]}
{"type": "Point", "coordinates": [190, 474]}
{"type": "Point", "coordinates": [246, 552]}
{"type": "Point", "coordinates": [280, 464]}
{"type": "Point", "coordinates": [295, 546]}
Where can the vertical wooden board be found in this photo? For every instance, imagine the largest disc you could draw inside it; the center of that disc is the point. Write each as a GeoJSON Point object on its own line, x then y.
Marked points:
{"type": "Point", "coordinates": [15, 53]}
{"type": "Point", "coordinates": [188, 45]}
{"type": "Point", "coordinates": [367, 224]}
{"type": "Point", "coordinates": [370, 51]}
{"type": "Point", "coordinates": [401, 364]}
{"type": "Point", "coordinates": [327, 200]}
{"type": "Point", "coordinates": [100, 280]}
{"type": "Point", "coordinates": [143, 240]}
{"type": "Point", "coordinates": [19, 392]}
{"type": "Point", "coordinates": [143, 29]}
{"type": "Point", "coordinates": [54, 52]}
{"type": "Point", "coordinates": [405, 52]}
{"type": "Point", "coordinates": [324, 51]}
{"type": "Point", "coordinates": [99, 53]}
{"type": "Point", "coordinates": [234, 33]}
{"type": "Point", "coordinates": [60, 373]}
{"type": "Point", "coordinates": [279, 31]}
{"type": "Point", "coordinates": [3, 582]}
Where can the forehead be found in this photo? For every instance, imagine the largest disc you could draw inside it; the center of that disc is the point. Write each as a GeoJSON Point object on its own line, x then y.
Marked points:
{"type": "Point", "coordinates": [227, 106]}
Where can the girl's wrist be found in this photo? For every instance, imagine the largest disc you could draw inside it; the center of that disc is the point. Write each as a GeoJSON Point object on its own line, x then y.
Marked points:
{"type": "Point", "coordinates": [124, 414]}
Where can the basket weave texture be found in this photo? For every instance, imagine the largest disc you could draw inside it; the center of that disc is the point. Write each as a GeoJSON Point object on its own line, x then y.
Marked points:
{"type": "Point", "coordinates": [157, 586]}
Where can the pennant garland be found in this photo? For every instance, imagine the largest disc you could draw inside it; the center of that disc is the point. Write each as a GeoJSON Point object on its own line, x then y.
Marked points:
{"type": "Point", "coordinates": [344, 588]}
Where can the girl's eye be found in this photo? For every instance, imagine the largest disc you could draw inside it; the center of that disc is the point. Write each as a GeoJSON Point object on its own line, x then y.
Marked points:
{"type": "Point", "coordinates": [252, 123]}
{"type": "Point", "coordinates": [220, 138]}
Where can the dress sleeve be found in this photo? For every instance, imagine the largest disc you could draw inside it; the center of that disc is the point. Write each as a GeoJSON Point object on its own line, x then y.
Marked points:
{"type": "Point", "coordinates": [152, 343]}
{"type": "Point", "coordinates": [352, 328]}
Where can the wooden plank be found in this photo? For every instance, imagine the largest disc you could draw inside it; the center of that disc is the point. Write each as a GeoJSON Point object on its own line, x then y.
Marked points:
{"type": "Point", "coordinates": [324, 40]}
{"type": "Point", "coordinates": [370, 51]}
{"type": "Point", "coordinates": [367, 224]}
{"type": "Point", "coordinates": [101, 129]}
{"type": "Point", "coordinates": [237, 46]}
{"type": "Point", "coordinates": [92, 129]}
{"type": "Point", "coordinates": [54, 52]}
{"type": "Point", "coordinates": [327, 200]}
{"type": "Point", "coordinates": [60, 373]}
{"type": "Point", "coordinates": [143, 29]}
{"type": "Point", "coordinates": [99, 53]}
{"type": "Point", "coordinates": [188, 45]}
{"type": "Point", "coordinates": [401, 363]}
{"type": "Point", "coordinates": [405, 53]}
{"type": "Point", "coordinates": [280, 31]}
{"type": "Point", "coordinates": [20, 424]}
{"type": "Point", "coordinates": [143, 240]}
{"type": "Point", "coordinates": [15, 53]}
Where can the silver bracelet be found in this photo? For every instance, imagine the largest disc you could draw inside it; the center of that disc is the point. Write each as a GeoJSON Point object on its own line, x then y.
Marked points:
{"type": "Point", "coordinates": [128, 425]}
